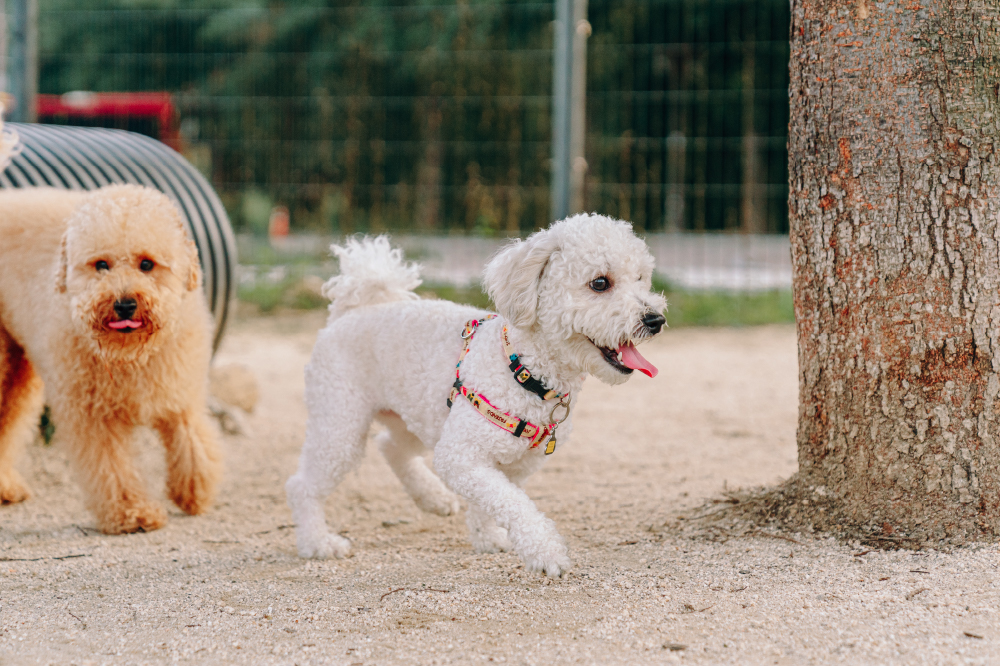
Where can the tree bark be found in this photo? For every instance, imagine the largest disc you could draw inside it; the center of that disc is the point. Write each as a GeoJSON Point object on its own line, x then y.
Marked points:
{"type": "Point", "coordinates": [893, 205]}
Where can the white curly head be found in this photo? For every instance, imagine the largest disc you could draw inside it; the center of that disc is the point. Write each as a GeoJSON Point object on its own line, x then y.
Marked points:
{"type": "Point", "coordinates": [584, 286]}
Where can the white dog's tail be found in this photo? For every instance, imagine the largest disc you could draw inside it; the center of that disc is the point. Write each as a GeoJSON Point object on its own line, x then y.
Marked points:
{"type": "Point", "coordinates": [371, 272]}
{"type": "Point", "coordinates": [10, 145]}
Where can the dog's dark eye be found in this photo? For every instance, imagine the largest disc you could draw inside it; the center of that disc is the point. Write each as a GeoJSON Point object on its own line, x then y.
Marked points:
{"type": "Point", "coordinates": [146, 265]}
{"type": "Point", "coordinates": [600, 284]}
{"type": "Point", "coordinates": [102, 265]}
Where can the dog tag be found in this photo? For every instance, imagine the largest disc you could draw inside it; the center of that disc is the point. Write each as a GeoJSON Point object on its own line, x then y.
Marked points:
{"type": "Point", "coordinates": [550, 446]}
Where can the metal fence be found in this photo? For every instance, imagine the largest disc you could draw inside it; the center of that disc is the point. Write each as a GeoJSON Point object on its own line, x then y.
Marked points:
{"type": "Point", "coordinates": [419, 117]}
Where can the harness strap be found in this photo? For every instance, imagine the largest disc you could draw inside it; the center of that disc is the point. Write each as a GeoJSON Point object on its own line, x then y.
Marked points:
{"type": "Point", "coordinates": [512, 424]}
{"type": "Point", "coordinates": [467, 333]}
{"type": "Point", "coordinates": [516, 426]}
{"type": "Point", "coordinates": [523, 375]}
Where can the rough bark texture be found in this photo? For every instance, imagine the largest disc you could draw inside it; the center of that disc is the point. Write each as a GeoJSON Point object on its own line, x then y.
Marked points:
{"type": "Point", "coordinates": [894, 203]}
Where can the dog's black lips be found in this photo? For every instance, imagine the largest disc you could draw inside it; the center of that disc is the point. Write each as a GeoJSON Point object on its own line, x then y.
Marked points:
{"type": "Point", "coordinates": [611, 356]}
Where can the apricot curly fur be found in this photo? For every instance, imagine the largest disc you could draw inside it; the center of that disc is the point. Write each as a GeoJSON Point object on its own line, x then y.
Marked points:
{"type": "Point", "coordinates": [66, 258]}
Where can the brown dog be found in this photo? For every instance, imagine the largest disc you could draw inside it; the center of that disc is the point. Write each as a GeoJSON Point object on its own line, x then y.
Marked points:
{"type": "Point", "coordinates": [100, 298]}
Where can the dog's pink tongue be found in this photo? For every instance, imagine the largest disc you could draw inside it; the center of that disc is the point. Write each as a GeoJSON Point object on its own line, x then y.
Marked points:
{"type": "Point", "coordinates": [124, 323]}
{"type": "Point", "coordinates": [631, 358]}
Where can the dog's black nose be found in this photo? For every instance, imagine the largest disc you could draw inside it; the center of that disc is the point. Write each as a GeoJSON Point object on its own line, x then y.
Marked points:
{"type": "Point", "coordinates": [125, 308]}
{"type": "Point", "coordinates": [653, 321]}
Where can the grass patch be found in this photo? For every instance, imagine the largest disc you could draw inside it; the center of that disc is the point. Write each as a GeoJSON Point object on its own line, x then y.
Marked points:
{"type": "Point", "coordinates": [706, 307]}
{"type": "Point", "coordinates": [266, 296]}
{"type": "Point", "coordinates": [687, 307]}
{"type": "Point", "coordinates": [298, 293]}
{"type": "Point", "coordinates": [471, 295]}
{"type": "Point", "coordinates": [723, 308]}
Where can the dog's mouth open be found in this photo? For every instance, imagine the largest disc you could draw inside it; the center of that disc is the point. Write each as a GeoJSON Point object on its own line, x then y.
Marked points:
{"type": "Point", "coordinates": [627, 358]}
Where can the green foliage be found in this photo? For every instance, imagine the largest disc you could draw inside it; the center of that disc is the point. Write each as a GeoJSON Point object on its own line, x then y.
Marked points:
{"type": "Point", "coordinates": [356, 115]}
{"type": "Point", "coordinates": [367, 115]}
{"type": "Point", "coordinates": [256, 210]}
{"type": "Point", "coordinates": [266, 296]}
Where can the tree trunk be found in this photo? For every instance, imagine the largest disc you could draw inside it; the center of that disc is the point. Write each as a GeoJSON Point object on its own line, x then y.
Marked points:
{"type": "Point", "coordinates": [894, 199]}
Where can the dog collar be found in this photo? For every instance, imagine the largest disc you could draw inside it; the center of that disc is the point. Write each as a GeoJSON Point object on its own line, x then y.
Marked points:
{"type": "Point", "coordinates": [518, 427]}
{"type": "Point", "coordinates": [523, 375]}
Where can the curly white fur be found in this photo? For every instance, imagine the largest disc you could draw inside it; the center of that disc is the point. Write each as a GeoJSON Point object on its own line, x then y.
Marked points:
{"type": "Point", "coordinates": [389, 356]}
{"type": "Point", "coordinates": [371, 272]}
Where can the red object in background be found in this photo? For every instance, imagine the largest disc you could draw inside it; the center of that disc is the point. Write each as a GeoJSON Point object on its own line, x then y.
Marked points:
{"type": "Point", "coordinates": [149, 113]}
{"type": "Point", "coordinates": [278, 223]}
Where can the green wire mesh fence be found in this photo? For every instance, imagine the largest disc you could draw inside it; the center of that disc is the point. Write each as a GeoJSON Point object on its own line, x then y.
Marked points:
{"type": "Point", "coordinates": [435, 118]}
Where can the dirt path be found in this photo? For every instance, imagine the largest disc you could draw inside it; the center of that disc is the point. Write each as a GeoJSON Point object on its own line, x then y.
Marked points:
{"type": "Point", "coordinates": [228, 587]}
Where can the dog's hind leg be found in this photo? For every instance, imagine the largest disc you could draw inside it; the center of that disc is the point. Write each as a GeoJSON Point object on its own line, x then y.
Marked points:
{"type": "Point", "coordinates": [334, 445]}
{"type": "Point", "coordinates": [193, 459]}
{"type": "Point", "coordinates": [402, 450]}
{"type": "Point", "coordinates": [20, 407]}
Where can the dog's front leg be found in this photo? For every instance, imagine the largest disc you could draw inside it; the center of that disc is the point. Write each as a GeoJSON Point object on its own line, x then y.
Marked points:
{"type": "Point", "coordinates": [115, 492]}
{"type": "Point", "coordinates": [193, 459]}
{"type": "Point", "coordinates": [486, 535]}
{"type": "Point", "coordinates": [468, 469]}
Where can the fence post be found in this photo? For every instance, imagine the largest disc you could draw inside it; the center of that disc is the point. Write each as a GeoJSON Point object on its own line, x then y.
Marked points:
{"type": "Point", "coordinates": [569, 86]}
{"type": "Point", "coordinates": [23, 60]}
{"type": "Point", "coordinates": [578, 113]}
{"type": "Point", "coordinates": [562, 81]}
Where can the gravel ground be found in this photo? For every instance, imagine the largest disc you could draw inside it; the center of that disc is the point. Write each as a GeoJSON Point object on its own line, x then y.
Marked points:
{"type": "Point", "coordinates": [649, 584]}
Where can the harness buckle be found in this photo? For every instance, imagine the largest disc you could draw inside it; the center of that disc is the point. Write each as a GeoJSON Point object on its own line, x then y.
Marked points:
{"type": "Point", "coordinates": [456, 390]}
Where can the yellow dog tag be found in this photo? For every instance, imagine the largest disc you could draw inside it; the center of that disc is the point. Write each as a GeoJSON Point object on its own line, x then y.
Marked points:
{"type": "Point", "coordinates": [550, 446]}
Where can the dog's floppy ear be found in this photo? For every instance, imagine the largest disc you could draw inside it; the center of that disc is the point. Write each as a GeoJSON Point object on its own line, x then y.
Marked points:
{"type": "Point", "coordinates": [511, 278]}
{"type": "Point", "coordinates": [192, 280]}
{"type": "Point", "coordinates": [63, 267]}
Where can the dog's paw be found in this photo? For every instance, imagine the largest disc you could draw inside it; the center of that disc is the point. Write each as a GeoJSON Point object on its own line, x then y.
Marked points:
{"type": "Point", "coordinates": [192, 494]}
{"type": "Point", "coordinates": [136, 517]}
{"type": "Point", "coordinates": [552, 560]}
{"type": "Point", "coordinates": [12, 488]}
{"type": "Point", "coordinates": [329, 545]}
{"type": "Point", "coordinates": [440, 502]}
{"type": "Point", "coordinates": [490, 539]}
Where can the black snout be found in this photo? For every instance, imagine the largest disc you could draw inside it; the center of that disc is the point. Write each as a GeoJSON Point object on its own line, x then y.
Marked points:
{"type": "Point", "coordinates": [653, 321]}
{"type": "Point", "coordinates": [125, 308]}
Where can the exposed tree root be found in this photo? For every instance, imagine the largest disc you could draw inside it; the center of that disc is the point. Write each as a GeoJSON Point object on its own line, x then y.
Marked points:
{"type": "Point", "coordinates": [789, 511]}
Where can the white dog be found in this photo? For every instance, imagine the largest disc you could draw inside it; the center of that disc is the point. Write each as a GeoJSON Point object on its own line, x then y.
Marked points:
{"type": "Point", "coordinates": [573, 300]}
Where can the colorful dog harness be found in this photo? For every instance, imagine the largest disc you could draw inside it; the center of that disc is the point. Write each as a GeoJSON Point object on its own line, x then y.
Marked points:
{"type": "Point", "coordinates": [523, 376]}
{"type": "Point", "coordinates": [516, 426]}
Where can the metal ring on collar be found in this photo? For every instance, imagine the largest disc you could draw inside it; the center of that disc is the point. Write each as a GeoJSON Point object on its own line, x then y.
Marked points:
{"type": "Point", "coordinates": [552, 414]}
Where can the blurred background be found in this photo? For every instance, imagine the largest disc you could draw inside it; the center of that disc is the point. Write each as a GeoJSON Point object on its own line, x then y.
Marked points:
{"type": "Point", "coordinates": [434, 121]}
